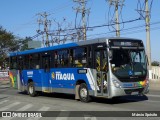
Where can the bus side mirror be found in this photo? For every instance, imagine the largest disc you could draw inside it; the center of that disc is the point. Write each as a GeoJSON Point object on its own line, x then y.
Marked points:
{"type": "Point", "coordinates": [110, 54]}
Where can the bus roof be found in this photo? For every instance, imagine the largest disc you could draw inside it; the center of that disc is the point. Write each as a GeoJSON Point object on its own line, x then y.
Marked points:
{"type": "Point", "coordinates": [67, 45]}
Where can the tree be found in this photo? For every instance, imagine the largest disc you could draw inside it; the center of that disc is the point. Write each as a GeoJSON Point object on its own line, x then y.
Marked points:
{"type": "Point", "coordinates": [7, 44]}
{"type": "Point", "coordinates": [24, 43]}
{"type": "Point", "coordinates": [155, 63]}
{"type": "Point", "coordinates": [10, 43]}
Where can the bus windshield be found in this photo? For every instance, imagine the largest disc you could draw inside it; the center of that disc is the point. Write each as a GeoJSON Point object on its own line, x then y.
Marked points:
{"type": "Point", "coordinates": [128, 63]}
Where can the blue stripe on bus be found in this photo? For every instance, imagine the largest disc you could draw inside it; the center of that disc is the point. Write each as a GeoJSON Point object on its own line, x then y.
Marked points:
{"type": "Point", "coordinates": [44, 49]}
{"type": "Point", "coordinates": [59, 78]}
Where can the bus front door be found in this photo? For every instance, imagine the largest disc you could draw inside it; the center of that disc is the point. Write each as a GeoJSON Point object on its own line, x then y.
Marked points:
{"type": "Point", "coordinates": [101, 68]}
{"type": "Point", "coordinates": [46, 83]}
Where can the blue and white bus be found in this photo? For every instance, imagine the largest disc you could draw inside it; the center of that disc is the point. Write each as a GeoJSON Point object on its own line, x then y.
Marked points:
{"type": "Point", "coordinates": [104, 67]}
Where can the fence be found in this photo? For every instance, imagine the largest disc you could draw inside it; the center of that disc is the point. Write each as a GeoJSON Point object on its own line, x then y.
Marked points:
{"type": "Point", "coordinates": [4, 75]}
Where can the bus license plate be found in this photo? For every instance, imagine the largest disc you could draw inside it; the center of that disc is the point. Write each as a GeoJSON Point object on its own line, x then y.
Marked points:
{"type": "Point", "coordinates": [128, 85]}
{"type": "Point", "coordinates": [134, 93]}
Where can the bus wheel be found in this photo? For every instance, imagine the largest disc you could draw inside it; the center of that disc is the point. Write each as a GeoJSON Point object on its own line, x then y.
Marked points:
{"type": "Point", "coordinates": [31, 89]}
{"type": "Point", "coordinates": [83, 93]}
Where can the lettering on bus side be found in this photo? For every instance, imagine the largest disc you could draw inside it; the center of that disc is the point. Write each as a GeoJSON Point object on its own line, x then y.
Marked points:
{"type": "Point", "coordinates": [62, 76]}
{"type": "Point", "coordinates": [30, 73]}
{"type": "Point", "coordinates": [82, 71]}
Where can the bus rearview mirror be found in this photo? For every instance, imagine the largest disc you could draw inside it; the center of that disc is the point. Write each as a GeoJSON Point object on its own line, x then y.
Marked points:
{"type": "Point", "coordinates": [110, 54]}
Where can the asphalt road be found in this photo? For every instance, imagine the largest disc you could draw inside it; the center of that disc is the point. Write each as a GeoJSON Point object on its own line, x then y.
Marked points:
{"type": "Point", "coordinates": [11, 100]}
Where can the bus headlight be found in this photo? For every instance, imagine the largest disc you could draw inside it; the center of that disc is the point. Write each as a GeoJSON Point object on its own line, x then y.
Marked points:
{"type": "Point", "coordinates": [116, 84]}
{"type": "Point", "coordinates": [147, 80]}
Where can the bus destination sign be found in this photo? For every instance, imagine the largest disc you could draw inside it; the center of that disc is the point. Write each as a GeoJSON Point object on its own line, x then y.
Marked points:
{"type": "Point", "coordinates": [116, 43]}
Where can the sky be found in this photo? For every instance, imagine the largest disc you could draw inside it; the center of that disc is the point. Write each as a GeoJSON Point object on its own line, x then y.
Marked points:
{"type": "Point", "coordinates": [20, 18]}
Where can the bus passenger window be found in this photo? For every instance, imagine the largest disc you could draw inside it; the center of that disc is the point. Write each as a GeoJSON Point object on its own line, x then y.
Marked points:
{"type": "Point", "coordinates": [61, 58]}
{"type": "Point", "coordinates": [26, 62]}
{"type": "Point", "coordinates": [77, 57]}
{"type": "Point", "coordinates": [20, 62]}
{"type": "Point", "coordinates": [84, 58]}
{"type": "Point", "coordinates": [46, 64]}
{"type": "Point", "coordinates": [34, 60]}
{"type": "Point", "coordinates": [65, 55]}
{"type": "Point", "coordinates": [55, 59]}
{"type": "Point", "coordinates": [13, 63]}
{"type": "Point", "coordinates": [71, 58]}
{"type": "Point", "coordinates": [89, 64]}
{"type": "Point", "coordinates": [80, 57]}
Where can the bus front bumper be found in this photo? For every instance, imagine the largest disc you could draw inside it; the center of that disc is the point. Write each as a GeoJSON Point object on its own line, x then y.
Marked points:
{"type": "Point", "coordinates": [115, 92]}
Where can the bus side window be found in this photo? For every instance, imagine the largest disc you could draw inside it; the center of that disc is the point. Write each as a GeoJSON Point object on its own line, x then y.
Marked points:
{"type": "Point", "coordinates": [30, 62]}
{"type": "Point", "coordinates": [89, 60]}
{"type": "Point", "coordinates": [34, 61]}
{"type": "Point", "coordinates": [26, 61]}
{"type": "Point", "coordinates": [59, 59]}
{"type": "Point", "coordinates": [77, 55]}
{"type": "Point", "coordinates": [20, 62]}
{"type": "Point", "coordinates": [55, 59]}
{"type": "Point", "coordinates": [80, 55]}
{"type": "Point", "coordinates": [64, 59]}
{"type": "Point", "coordinates": [13, 63]}
{"type": "Point", "coordinates": [84, 58]}
{"type": "Point", "coordinates": [47, 64]}
{"type": "Point", "coordinates": [71, 58]}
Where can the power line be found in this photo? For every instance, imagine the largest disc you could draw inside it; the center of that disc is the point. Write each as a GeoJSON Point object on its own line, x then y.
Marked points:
{"type": "Point", "coordinates": [104, 25]}
{"type": "Point", "coordinates": [92, 27]}
{"type": "Point", "coordinates": [131, 30]}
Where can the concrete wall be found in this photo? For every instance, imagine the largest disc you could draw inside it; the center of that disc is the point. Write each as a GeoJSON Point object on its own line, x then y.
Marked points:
{"type": "Point", "coordinates": [155, 78]}
{"type": "Point", "coordinates": [155, 73]}
{"type": "Point", "coordinates": [154, 85]}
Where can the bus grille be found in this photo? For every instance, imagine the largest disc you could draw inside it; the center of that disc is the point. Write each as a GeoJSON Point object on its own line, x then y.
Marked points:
{"type": "Point", "coordinates": [129, 91]}
{"type": "Point", "coordinates": [131, 79]}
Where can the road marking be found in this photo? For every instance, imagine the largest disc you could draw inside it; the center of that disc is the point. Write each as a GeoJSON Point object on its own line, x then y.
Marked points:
{"type": "Point", "coordinates": [66, 114]}
{"type": "Point", "coordinates": [153, 101]}
{"type": "Point", "coordinates": [89, 117]}
{"type": "Point", "coordinates": [20, 109]}
{"type": "Point", "coordinates": [149, 95]}
{"type": "Point", "coordinates": [9, 106]}
{"type": "Point", "coordinates": [25, 107]}
{"type": "Point", "coordinates": [4, 101]}
{"type": "Point", "coordinates": [44, 108]}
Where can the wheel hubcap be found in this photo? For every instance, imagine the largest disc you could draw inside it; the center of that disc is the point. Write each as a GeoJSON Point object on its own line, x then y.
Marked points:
{"type": "Point", "coordinates": [31, 89]}
{"type": "Point", "coordinates": [83, 93]}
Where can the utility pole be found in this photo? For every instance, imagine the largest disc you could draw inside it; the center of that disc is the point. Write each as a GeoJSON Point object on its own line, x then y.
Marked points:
{"type": "Point", "coordinates": [148, 45]}
{"type": "Point", "coordinates": [84, 19]}
{"type": "Point", "coordinates": [117, 20]}
{"type": "Point", "coordinates": [116, 3]}
{"type": "Point", "coordinates": [82, 10]}
{"type": "Point", "coordinates": [46, 23]}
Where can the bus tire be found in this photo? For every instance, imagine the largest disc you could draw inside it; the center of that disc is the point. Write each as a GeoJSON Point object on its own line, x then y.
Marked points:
{"type": "Point", "coordinates": [31, 89]}
{"type": "Point", "coordinates": [83, 93]}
